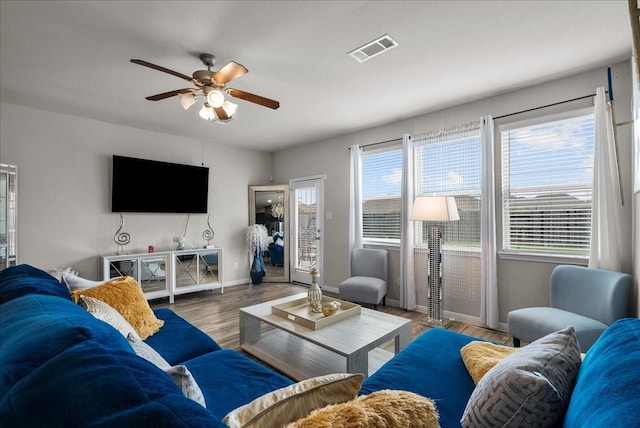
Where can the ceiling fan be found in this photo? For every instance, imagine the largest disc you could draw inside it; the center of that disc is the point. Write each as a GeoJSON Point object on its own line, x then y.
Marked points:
{"type": "Point", "coordinates": [211, 86]}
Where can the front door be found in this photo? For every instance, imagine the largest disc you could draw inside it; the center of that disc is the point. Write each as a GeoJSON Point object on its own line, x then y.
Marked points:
{"type": "Point", "coordinates": [307, 196]}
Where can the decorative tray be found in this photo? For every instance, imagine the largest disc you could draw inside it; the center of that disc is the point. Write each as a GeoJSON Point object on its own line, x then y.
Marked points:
{"type": "Point", "coordinates": [299, 312]}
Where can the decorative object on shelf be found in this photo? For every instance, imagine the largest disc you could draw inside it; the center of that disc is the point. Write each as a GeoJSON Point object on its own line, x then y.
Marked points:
{"type": "Point", "coordinates": [208, 234]}
{"type": "Point", "coordinates": [436, 209]}
{"type": "Point", "coordinates": [257, 241]}
{"type": "Point", "coordinates": [179, 241]}
{"type": "Point", "coordinates": [330, 307]}
{"type": "Point", "coordinates": [314, 295]}
{"type": "Point", "coordinates": [277, 210]}
{"type": "Point", "coordinates": [121, 238]}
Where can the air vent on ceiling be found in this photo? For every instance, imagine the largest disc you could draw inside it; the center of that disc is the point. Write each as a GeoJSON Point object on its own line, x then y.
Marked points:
{"type": "Point", "coordinates": [373, 48]}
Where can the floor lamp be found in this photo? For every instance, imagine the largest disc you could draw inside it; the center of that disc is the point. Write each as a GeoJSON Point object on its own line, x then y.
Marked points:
{"type": "Point", "coordinates": [440, 209]}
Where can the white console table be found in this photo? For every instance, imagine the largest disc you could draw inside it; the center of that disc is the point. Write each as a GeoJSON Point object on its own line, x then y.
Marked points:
{"type": "Point", "coordinates": [169, 273]}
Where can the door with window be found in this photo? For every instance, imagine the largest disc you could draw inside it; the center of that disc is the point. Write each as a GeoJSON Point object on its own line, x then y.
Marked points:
{"type": "Point", "coordinates": [306, 199]}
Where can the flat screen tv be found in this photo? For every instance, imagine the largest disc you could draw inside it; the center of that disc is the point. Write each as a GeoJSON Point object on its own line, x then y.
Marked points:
{"type": "Point", "coordinates": [148, 186]}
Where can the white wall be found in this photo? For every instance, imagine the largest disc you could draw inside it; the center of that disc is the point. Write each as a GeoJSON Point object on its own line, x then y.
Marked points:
{"type": "Point", "coordinates": [521, 283]}
{"type": "Point", "coordinates": [64, 216]}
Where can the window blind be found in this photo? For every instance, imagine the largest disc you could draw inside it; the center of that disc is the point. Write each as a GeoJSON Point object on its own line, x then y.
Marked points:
{"type": "Point", "coordinates": [306, 214]}
{"type": "Point", "coordinates": [449, 164]}
{"type": "Point", "coordinates": [381, 199]}
{"type": "Point", "coordinates": [547, 170]}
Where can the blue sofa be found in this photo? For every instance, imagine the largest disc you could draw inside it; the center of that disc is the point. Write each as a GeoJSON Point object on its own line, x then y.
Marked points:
{"type": "Point", "coordinates": [276, 251]}
{"type": "Point", "coordinates": [59, 366]}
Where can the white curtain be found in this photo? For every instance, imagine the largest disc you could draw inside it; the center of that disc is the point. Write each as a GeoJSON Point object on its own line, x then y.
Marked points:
{"type": "Point", "coordinates": [607, 202]}
{"type": "Point", "coordinates": [407, 277]}
{"type": "Point", "coordinates": [489, 282]}
{"type": "Point", "coordinates": [355, 200]}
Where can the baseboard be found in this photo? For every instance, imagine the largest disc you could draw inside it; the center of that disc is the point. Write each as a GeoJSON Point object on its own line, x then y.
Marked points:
{"type": "Point", "coordinates": [236, 282]}
{"type": "Point", "coordinates": [329, 289]}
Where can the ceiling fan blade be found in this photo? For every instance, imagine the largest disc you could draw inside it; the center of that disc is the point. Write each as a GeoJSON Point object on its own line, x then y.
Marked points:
{"type": "Point", "coordinates": [247, 96]}
{"type": "Point", "coordinates": [169, 94]}
{"type": "Point", "coordinates": [163, 69]}
{"type": "Point", "coordinates": [231, 71]}
{"type": "Point", "coordinates": [222, 115]}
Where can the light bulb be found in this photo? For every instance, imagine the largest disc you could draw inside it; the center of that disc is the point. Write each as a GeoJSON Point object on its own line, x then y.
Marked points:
{"type": "Point", "coordinates": [207, 113]}
{"type": "Point", "coordinates": [215, 98]}
{"type": "Point", "coordinates": [187, 100]}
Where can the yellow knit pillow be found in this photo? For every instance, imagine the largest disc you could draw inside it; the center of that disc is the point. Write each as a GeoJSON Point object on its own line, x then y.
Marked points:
{"type": "Point", "coordinates": [125, 295]}
{"type": "Point", "coordinates": [480, 357]}
{"type": "Point", "coordinates": [380, 409]}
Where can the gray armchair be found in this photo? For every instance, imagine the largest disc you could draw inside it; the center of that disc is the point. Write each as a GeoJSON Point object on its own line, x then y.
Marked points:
{"type": "Point", "coordinates": [368, 282]}
{"type": "Point", "coordinates": [587, 299]}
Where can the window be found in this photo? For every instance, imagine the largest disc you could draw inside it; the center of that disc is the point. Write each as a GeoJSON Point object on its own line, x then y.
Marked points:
{"type": "Point", "coordinates": [450, 165]}
{"type": "Point", "coordinates": [381, 199]}
{"type": "Point", "coordinates": [547, 170]}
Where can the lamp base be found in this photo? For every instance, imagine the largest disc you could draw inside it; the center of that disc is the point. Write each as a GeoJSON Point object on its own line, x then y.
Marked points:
{"type": "Point", "coordinates": [432, 322]}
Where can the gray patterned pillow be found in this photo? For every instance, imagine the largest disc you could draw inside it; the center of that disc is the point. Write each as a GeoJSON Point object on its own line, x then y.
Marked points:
{"type": "Point", "coordinates": [529, 388]}
{"type": "Point", "coordinates": [106, 313]}
{"type": "Point", "coordinates": [180, 374]}
{"type": "Point", "coordinates": [187, 383]}
{"type": "Point", "coordinates": [147, 352]}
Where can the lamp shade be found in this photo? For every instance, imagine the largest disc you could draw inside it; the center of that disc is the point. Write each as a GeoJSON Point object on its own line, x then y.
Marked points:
{"type": "Point", "coordinates": [229, 108]}
{"type": "Point", "coordinates": [435, 208]}
{"type": "Point", "coordinates": [207, 113]}
{"type": "Point", "coordinates": [187, 100]}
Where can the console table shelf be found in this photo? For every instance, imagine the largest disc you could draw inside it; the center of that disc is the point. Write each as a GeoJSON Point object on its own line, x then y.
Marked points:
{"type": "Point", "coordinates": [169, 273]}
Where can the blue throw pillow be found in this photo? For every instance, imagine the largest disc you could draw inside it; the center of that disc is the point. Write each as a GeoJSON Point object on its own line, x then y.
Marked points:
{"type": "Point", "coordinates": [607, 390]}
{"type": "Point", "coordinates": [24, 279]}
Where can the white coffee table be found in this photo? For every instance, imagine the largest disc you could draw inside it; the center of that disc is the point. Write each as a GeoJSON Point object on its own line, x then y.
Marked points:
{"type": "Point", "coordinates": [350, 345]}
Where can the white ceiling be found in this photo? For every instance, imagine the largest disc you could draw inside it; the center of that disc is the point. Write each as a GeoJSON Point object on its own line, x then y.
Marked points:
{"type": "Point", "coordinates": [73, 57]}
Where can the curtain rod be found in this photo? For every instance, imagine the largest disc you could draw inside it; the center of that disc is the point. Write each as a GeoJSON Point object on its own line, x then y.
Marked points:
{"type": "Point", "coordinates": [545, 106]}
{"type": "Point", "coordinates": [610, 92]}
{"type": "Point", "coordinates": [379, 142]}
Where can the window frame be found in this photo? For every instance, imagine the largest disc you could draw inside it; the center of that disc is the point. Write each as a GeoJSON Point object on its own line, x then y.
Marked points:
{"type": "Point", "coordinates": [524, 255]}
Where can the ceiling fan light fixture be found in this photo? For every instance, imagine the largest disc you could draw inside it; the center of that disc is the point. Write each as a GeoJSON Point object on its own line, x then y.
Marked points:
{"type": "Point", "coordinates": [207, 113]}
{"type": "Point", "coordinates": [229, 108]}
{"type": "Point", "coordinates": [223, 122]}
{"type": "Point", "coordinates": [215, 98]}
{"type": "Point", "coordinates": [187, 100]}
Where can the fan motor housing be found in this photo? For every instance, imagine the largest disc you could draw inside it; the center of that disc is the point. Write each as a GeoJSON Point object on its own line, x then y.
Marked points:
{"type": "Point", "coordinates": [202, 75]}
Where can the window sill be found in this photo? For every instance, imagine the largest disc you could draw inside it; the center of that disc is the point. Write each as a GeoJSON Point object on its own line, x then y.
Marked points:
{"type": "Point", "coordinates": [544, 258]}
{"type": "Point", "coordinates": [385, 245]}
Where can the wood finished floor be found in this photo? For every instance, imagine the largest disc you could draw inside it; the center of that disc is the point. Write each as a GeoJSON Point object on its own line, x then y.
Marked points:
{"type": "Point", "coordinates": [217, 314]}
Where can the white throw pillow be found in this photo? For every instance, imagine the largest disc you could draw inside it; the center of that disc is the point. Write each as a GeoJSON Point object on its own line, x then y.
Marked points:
{"type": "Point", "coordinates": [288, 404]}
{"type": "Point", "coordinates": [58, 272]}
{"type": "Point", "coordinates": [74, 282]}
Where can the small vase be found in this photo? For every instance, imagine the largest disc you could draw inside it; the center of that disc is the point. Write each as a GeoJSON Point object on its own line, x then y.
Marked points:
{"type": "Point", "coordinates": [314, 295]}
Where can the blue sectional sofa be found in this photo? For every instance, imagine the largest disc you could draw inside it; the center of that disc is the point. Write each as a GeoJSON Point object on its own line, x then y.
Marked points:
{"type": "Point", "coordinates": [60, 366]}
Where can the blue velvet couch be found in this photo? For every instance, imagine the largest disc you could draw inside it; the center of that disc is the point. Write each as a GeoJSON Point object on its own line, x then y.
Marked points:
{"type": "Point", "coordinates": [59, 366]}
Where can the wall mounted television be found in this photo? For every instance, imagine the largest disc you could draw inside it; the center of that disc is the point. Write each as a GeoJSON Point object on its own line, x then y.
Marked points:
{"type": "Point", "coordinates": [148, 186]}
